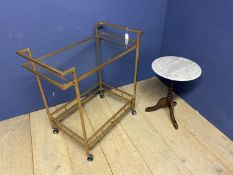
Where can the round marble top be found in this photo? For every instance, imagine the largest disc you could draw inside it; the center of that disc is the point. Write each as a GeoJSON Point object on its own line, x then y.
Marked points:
{"type": "Point", "coordinates": [176, 68]}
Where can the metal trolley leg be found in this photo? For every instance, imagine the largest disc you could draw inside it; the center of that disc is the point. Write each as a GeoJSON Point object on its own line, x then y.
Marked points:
{"type": "Point", "coordinates": [98, 62]}
{"type": "Point", "coordinates": [81, 111]}
{"type": "Point", "coordinates": [136, 73]}
{"type": "Point", "coordinates": [41, 91]}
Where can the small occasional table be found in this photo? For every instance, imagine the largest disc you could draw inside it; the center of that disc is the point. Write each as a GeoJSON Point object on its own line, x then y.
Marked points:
{"type": "Point", "coordinates": [174, 69]}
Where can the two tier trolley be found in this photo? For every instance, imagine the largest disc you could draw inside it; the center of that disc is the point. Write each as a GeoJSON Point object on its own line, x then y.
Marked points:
{"type": "Point", "coordinates": [51, 74]}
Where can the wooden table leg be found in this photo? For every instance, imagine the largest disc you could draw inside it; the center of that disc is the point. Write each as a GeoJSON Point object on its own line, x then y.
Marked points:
{"type": "Point", "coordinates": [161, 104]}
{"type": "Point", "coordinates": [166, 102]}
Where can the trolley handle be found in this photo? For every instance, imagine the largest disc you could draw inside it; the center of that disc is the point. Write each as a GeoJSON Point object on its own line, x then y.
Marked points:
{"type": "Point", "coordinates": [26, 53]}
{"type": "Point", "coordinates": [99, 24]}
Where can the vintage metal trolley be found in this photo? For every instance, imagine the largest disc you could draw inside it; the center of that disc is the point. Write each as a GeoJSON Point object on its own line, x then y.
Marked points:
{"type": "Point", "coordinates": [39, 67]}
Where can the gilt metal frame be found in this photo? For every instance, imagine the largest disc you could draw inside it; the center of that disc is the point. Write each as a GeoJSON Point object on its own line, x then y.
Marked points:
{"type": "Point", "coordinates": [63, 112]}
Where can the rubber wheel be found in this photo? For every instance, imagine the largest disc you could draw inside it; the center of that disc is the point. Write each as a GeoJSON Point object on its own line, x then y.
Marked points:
{"type": "Point", "coordinates": [101, 95]}
{"type": "Point", "coordinates": [134, 112]}
{"type": "Point", "coordinates": [55, 130]}
{"type": "Point", "coordinates": [90, 157]}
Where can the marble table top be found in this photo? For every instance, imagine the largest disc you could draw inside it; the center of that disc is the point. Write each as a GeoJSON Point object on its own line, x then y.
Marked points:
{"type": "Point", "coordinates": [176, 68]}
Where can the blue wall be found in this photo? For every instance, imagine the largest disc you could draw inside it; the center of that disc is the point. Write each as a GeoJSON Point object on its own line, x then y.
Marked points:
{"type": "Point", "coordinates": [47, 25]}
{"type": "Point", "coordinates": [200, 30]}
{"type": "Point", "coordinates": [203, 31]}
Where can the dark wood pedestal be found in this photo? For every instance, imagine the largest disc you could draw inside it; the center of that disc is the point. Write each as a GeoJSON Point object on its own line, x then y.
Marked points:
{"type": "Point", "coordinates": [166, 102]}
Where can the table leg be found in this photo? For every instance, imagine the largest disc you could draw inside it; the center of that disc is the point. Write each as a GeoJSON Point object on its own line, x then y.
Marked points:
{"type": "Point", "coordinates": [161, 104]}
{"type": "Point", "coordinates": [171, 110]}
{"type": "Point", "coordinates": [166, 102]}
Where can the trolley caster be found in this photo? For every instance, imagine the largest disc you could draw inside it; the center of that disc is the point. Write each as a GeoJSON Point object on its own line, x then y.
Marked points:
{"type": "Point", "coordinates": [55, 130]}
{"type": "Point", "coordinates": [101, 95]}
{"type": "Point", "coordinates": [90, 157]}
{"type": "Point", "coordinates": [101, 92]}
{"type": "Point", "coordinates": [134, 112]}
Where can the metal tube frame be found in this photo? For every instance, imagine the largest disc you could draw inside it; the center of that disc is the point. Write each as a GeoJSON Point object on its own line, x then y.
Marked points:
{"type": "Point", "coordinates": [64, 111]}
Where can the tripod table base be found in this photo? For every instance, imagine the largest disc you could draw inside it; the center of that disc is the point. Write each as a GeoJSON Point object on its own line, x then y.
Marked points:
{"type": "Point", "coordinates": [166, 102]}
